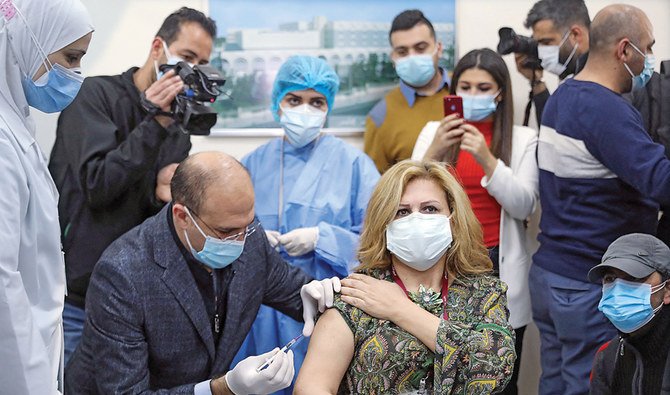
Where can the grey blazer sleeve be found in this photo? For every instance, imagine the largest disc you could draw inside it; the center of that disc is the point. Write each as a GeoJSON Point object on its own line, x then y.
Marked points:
{"type": "Point", "coordinates": [121, 353]}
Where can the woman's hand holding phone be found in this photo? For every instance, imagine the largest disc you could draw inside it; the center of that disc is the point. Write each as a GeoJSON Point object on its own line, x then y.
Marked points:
{"type": "Point", "coordinates": [474, 142]}
{"type": "Point", "coordinates": [448, 133]}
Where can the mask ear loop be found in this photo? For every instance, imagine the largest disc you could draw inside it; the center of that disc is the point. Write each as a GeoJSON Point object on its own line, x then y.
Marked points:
{"type": "Point", "coordinates": [574, 48]}
{"type": "Point", "coordinates": [653, 291]}
{"type": "Point", "coordinates": [564, 39]}
{"type": "Point", "coordinates": [497, 95]}
{"type": "Point", "coordinates": [45, 58]}
{"type": "Point", "coordinates": [658, 287]}
{"type": "Point", "coordinates": [637, 49]}
{"type": "Point", "coordinates": [195, 222]}
{"type": "Point", "coordinates": [167, 52]}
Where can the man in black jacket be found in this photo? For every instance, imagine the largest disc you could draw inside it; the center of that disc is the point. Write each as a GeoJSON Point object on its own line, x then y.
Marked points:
{"type": "Point", "coordinates": [635, 273]}
{"type": "Point", "coordinates": [112, 161]}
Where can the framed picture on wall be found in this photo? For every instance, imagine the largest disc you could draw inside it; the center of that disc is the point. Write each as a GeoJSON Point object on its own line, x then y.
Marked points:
{"type": "Point", "coordinates": [256, 36]}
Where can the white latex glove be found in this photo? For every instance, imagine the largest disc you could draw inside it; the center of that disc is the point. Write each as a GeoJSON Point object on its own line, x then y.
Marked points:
{"type": "Point", "coordinates": [317, 295]}
{"type": "Point", "coordinates": [273, 237]}
{"type": "Point", "coordinates": [300, 241]}
{"type": "Point", "coordinates": [244, 379]}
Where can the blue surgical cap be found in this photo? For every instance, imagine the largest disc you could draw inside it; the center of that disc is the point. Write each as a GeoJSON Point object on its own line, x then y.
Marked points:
{"type": "Point", "coordinates": [304, 72]}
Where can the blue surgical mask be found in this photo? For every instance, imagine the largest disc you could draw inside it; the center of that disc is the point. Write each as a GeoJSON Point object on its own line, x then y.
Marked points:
{"type": "Point", "coordinates": [416, 70]}
{"type": "Point", "coordinates": [478, 107]}
{"type": "Point", "coordinates": [54, 90]}
{"type": "Point", "coordinates": [628, 304]}
{"type": "Point", "coordinates": [216, 253]}
{"type": "Point", "coordinates": [302, 124]}
{"type": "Point", "coordinates": [641, 80]}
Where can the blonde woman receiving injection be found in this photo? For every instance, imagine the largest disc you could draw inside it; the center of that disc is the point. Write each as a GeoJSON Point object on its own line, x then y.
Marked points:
{"type": "Point", "coordinates": [422, 314]}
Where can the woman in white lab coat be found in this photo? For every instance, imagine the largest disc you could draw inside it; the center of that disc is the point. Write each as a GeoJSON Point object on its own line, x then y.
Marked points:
{"type": "Point", "coordinates": [41, 45]}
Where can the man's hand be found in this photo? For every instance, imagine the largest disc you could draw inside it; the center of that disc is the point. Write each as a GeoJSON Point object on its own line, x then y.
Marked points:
{"type": "Point", "coordinates": [526, 71]}
{"type": "Point", "coordinates": [244, 379]}
{"type": "Point", "coordinates": [163, 180]}
{"type": "Point", "coordinates": [300, 241]}
{"type": "Point", "coordinates": [162, 93]}
{"type": "Point", "coordinates": [317, 295]}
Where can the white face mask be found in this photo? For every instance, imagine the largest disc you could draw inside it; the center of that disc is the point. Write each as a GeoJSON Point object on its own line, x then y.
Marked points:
{"type": "Point", "coordinates": [170, 60]}
{"type": "Point", "coordinates": [419, 240]}
{"type": "Point", "coordinates": [550, 56]}
{"type": "Point", "coordinates": [302, 124]}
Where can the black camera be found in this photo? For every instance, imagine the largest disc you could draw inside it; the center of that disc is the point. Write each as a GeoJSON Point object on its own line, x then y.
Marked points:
{"type": "Point", "coordinates": [512, 42]}
{"type": "Point", "coordinates": [203, 83]}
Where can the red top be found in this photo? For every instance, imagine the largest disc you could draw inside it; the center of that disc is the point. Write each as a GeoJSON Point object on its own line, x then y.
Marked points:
{"type": "Point", "coordinates": [470, 173]}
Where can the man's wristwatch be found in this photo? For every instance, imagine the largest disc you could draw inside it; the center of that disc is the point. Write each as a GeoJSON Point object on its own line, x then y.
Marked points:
{"type": "Point", "coordinates": [151, 108]}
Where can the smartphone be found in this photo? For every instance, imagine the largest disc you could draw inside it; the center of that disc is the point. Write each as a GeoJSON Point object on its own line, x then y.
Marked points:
{"type": "Point", "coordinates": [453, 104]}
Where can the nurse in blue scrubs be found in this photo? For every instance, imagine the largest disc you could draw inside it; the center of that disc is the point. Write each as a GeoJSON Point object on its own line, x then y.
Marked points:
{"type": "Point", "coordinates": [312, 190]}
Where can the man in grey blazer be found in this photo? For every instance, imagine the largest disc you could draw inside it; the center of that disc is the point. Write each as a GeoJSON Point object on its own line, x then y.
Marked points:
{"type": "Point", "coordinates": [171, 301]}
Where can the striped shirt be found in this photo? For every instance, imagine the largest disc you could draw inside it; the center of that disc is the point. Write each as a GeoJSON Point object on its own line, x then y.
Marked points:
{"type": "Point", "coordinates": [601, 176]}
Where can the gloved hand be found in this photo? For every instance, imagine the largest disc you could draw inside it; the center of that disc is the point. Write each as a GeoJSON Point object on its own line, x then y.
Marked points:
{"type": "Point", "coordinates": [273, 237]}
{"type": "Point", "coordinates": [300, 241]}
{"type": "Point", "coordinates": [317, 295]}
{"type": "Point", "coordinates": [244, 379]}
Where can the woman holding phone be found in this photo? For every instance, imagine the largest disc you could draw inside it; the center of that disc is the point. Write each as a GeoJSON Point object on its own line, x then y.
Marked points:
{"type": "Point", "coordinates": [495, 162]}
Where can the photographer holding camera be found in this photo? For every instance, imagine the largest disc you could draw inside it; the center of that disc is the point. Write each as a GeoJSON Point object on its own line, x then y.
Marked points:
{"type": "Point", "coordinates": [560, 44]}
{"type": "Point", "coordinates": [113, 160]}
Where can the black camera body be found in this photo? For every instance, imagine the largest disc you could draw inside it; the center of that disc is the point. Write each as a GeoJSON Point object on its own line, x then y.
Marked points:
{"type": "Point", "coordinates": [203, 83]}
{"type": "Point", "coordinates": [512, 42]}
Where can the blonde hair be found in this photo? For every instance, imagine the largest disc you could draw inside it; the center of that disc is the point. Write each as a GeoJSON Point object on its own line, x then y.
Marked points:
{"type": "Point", "coordinates": [467, 254]}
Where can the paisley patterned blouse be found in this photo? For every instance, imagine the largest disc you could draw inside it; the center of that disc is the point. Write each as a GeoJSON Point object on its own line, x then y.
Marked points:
{"type": "Point", "coordinates": [474, 351]}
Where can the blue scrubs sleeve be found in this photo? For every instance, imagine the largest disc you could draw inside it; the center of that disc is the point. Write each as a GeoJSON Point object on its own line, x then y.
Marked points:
{"type": "Point", "coordinates": [338, 245]}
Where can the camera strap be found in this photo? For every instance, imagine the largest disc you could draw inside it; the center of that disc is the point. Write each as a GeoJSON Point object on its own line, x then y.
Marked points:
{"type": "Point", "coordinates": [529, 105]}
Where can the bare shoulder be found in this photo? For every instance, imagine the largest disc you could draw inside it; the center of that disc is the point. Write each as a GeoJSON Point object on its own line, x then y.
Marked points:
{"type": "Point", "coordinates": [329, 354]}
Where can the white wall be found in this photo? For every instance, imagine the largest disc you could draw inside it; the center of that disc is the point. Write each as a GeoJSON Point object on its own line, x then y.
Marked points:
{"type": "Point", "coordinates": [125, 28]}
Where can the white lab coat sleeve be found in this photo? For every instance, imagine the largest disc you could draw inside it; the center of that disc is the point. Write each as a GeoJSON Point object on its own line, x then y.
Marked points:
{"type": "Point", "coordinates": [516, 191]}
{"type": "Point", "coordinates": [26, 369]}
{"type": "Point", "coordinates": [424, 140]}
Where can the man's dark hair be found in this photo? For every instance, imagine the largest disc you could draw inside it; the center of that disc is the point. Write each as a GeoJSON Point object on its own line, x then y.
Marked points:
{"type": "Point", "coordinates": [189, 184]}
{"type": "Point", "coordinates": [408, 19]}
{"type": "Point", "coordinates": [172, 24]}
{"type": "Point", "coordinates": [563, 13]}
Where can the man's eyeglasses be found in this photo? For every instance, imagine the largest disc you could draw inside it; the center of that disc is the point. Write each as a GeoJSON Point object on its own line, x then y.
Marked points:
{"type": "Point", "coordinates": [248, 230]}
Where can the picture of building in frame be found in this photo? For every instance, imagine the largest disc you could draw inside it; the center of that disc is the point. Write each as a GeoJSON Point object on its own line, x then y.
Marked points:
{"type": "Point", "coordinates": [257, 36]}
